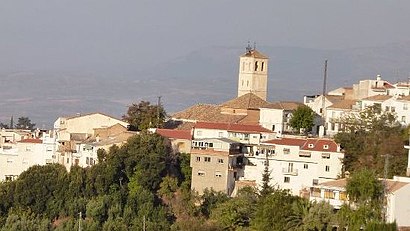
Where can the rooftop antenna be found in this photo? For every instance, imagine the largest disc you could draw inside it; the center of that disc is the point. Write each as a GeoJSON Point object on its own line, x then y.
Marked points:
{"type": "Point", "coordinates": [249, 48]}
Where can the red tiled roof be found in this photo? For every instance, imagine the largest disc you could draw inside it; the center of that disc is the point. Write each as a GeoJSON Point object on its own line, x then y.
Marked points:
{"type": "Point", "coordinates": [34, 141]}
{"type": "Point", "coordinates": [319, 145]}
{"type": "Point", "coordinates": [378, 98]}
{"type": "Point", "coordinates": [232, 127]}
{"type": "Point", "coordinates": [288, 141]}
{"type": "Point", "coordinates": [175, 134]}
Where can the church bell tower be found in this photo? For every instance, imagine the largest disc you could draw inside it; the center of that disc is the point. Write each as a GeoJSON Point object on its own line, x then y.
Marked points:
{"type": "Point", "coordinates": [253, 73]}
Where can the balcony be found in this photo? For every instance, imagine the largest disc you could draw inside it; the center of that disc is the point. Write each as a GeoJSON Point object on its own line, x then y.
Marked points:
{"type": "Point", "coordinates": [290, 171]}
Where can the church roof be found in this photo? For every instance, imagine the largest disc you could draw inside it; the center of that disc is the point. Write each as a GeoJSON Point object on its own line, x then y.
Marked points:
{"type": "Point", "coordinates": [254, 54]}
{"type": "Point", "coordinates": [207, 112]}
{"type": "Point", "coordinates": [285, 105]}
{"type": "Point", "coordinates": [247, 101]}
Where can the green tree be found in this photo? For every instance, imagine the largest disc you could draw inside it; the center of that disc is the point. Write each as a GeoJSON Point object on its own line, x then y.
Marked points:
{"type": "Point", "coordinates": [266, 188]}
{"type": "Point", "coordinates": [366, 192]}
{"type": "Point", "coordinates": [302, 118]}
{"type": "Point", "coordinates": [273, 211]}
{"type": "Point", "coordinates": [144, 115]}
{"type": "Point", "coordinates": [368, 136]}
{"type": "Point", "coordinates": [238, 211]}
{"type": "Point", "coordinates": [25, 123]}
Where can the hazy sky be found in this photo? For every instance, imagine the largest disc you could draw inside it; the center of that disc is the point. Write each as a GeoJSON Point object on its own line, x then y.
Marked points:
{"type": "Point", "coordinates": [127, 34]}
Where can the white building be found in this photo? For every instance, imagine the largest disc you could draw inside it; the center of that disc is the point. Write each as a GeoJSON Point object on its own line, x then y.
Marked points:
{"type": "Point", "coordinates": [276, 116]}
{"type": "Point", "coordinates": [26, 153]}
{"type": "Point", "coordinates": [398, 192]}
{"type": "Point", "coordinates": [295, 163]}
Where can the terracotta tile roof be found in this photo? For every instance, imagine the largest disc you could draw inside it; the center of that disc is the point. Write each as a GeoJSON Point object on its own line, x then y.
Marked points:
{"type": "Point", "coordinates": [378, 98]}
{"type": "Point", "coordinates": [340, 183]}
{"type": "Point", "coordinates": [254, 54]}
{"type": "Point", "coordinates": [206, 112]}
{"type": "Point", "coordinates": [343, 104]}
{"type": "Point", "coordinates": [310, 144]}
{"type": "Point", "coordinates": [34, 141]}
{"type": "Point", "coordinates": [392, 185]}
{"type": "Point", "coordinates": [404, 98]}
{"type": "Point", "coordinates": [318, 144]}
{"type": "Point", "coordinates": [175, 134]}
{"type": "Point", "coordinates": [288, 141]}
{"type": "Point", "coordinates": [233, 127]}
{"type": "Point", "coordinates": [285, 105]}
{"type": "Point", "coordinates": [334, 98]}
{"type": "Point", "coordinates": [247, 101]}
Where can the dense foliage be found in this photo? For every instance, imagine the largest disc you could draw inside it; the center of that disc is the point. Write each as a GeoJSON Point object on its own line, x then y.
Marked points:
{"type": "Point", "coordinates": [371, 135]}
{"type": "Point", "coordinates": [145, 115]}
{"type": "Point", "coordinates": [302, 118]}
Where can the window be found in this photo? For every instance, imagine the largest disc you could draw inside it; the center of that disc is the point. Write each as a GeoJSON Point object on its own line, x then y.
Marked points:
{"type": "Point", "coordinates": [198, 158]}
{"type": "Point", "coordinates": [207, 159]}
{"type": "Point", "coordinates": [220, 134]}
{"type": "Point", "coordinates": [87, 160]}
{"type": "Point", "coordinates": [325, 155]}
{"type": "Point", "coordinates": [218, 174]}
{"type": "Point", "coordinates": [201, 173]}
{"type": "Point", "coordinates": [199, 133]}
{"type": "Point", "coordinates": [403, 119]}
{"type": "Point", "coordinates": [387, 108]}
{"type": "Point", "coordinates": [327, 168]}
{"type": "Point", "coordinates": [247, 83]}
{"type": "Point", "coordinates": [325, 146]}
{"type": "Point", "coordinates": [405, 106]}
{"type": "Point", "coordinates": [286, 151]}
{"type": "Point", "coordinates": [210, 145]}
{"type": "Point", "coordinates": [221, 161]}
{"type": "Point", "coordinates": [262, 66]}
{"type": "Point", "coordinates": [393, 109]}
{"type": "Point", "coordinates": [315, 182]}
{"type": "Point", "coordinates": [286, 179]}
{"type": "Point", "coordinates": [256, 65]}
{"type": "Point", "coordinates": [91, 161]}
{"type": "Point", "coordinates": [306, 166]}
{"type": "Point", "coordinates": [68, 160]}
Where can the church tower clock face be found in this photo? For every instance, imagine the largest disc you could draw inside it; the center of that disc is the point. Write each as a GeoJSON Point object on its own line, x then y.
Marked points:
{"type": "Point", "coordinates": [253, 73]}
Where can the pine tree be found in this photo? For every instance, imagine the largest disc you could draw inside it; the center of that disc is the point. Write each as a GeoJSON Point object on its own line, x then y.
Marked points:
{"type": "Point", "coordinates": [266, 187]}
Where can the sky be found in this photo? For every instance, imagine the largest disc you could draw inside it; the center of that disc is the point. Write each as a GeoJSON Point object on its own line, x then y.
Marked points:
{"type": "Point", "coordinates": [128, 35]}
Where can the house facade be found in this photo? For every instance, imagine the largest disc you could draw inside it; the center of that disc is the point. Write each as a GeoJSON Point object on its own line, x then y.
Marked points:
{"type": "Point", "coordinates": [295, 164]}
{"type": "Point", "coordinates": [216, 164]}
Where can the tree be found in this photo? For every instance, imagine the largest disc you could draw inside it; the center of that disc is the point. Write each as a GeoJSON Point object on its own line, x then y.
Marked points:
{"type": "Point", "coordinates": [25, 123]}
{"type": "Point", "coordinates": [369, 135]}
{"type": "Point", "coordinates": [273, 210]}
{"type": "Point", "coordinates": [238, 211]}
{"type": "Point", "coordinates": [266, 188]}
{"type": "Point", "coordinates": [366, 192]}
{"type": "Point", "coordinates": [144, 115]}
{"type": "Point", "coordinates": [302, 118]}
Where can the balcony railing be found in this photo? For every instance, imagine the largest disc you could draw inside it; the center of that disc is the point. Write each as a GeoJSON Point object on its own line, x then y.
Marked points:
{"type": "Point", "coordinates": [287, 171]}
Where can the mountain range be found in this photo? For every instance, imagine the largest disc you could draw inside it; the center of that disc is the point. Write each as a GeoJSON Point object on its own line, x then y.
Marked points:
{"type": "Point", "coordinates": [207, 75]}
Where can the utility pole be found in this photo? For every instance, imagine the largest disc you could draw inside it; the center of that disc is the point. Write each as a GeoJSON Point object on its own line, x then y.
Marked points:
{"type": "Point", "coordinates": [322, 114]}
{"type": "Point", "coordinates": [79, 221]}
{"type": "Point", "coordinates": [158, 110]}
{"type": "Point", "coordinates": [386, 171]}
{"type": "Point", "coordinates": [143, 223]}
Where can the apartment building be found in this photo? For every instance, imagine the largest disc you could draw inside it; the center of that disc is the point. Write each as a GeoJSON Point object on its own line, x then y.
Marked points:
{"type": "Point", "coordinates": [216, 164]}
{"type": "Point", "coordinates": [295, 163]}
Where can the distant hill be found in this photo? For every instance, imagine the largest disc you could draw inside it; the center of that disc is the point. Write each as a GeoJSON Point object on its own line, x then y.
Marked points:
{"type": "Point", "coordinates": [207, 75]}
